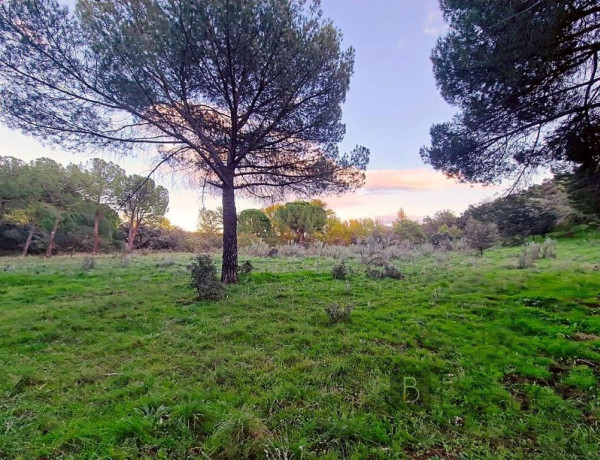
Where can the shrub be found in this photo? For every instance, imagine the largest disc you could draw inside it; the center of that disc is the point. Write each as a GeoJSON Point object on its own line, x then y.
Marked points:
{"type": "Point", "coordinates": [203, 272]}
{"type": "Point", "coordinates": [88, 263]}
{"type": "Point", "coordinates": [387, 271]}
{"type": "Point", "coordinates": [425, 249]}
{"type": "Point", "coordinates": [292, 250]}
{"type": "Point", "coordinates": [338, 313]}
{"type": "Point", "coordinates": [273, 252]}
{"type": "Point", "coordinates": [246, 268]}
{"type": "Point", "coordinates": [165, 262]}
{"type": "Point", "coordinates": [481, 235]}
{"type": "Point", "coordinates": [525, 261]}
{"type": "Point", "coordinates": [256, 249]}
{"type": "Point", "coordinates": [529, 254]}
{"type": "Point", "coordinates": [341, 271]}
{"type": "Point", "coordinates": [533, 250]}
{"type": "Point", "coordinates": [548, 248]}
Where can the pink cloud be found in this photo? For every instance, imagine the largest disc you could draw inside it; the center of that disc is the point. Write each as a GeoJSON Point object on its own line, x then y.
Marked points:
{"type": "Point", "coordinates": [410, 180]}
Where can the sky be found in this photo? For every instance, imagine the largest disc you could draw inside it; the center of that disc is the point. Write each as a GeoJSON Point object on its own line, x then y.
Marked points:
{"type": "Point", "coordinates": [392, 103]}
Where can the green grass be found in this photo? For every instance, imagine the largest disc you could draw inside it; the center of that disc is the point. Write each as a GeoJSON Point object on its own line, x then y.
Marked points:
{"type": "Point", "coordinates": [121, 362]}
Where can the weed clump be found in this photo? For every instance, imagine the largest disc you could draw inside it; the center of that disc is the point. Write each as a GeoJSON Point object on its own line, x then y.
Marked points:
{"type": "Point", "coordinates": [338, 313]}
{"type": "Point", "coordinates": [203, 272]}
{"type": "Point", "coordinates": [88, 263]}
{"type": "Point", "coordinates": [341, 271]}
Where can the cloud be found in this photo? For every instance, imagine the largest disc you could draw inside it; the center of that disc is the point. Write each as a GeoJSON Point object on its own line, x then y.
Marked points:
{"type": "Point", "coordinates": [423, 179]}
{"type": "Point", "coordinates": [434, 24]}
{"type": "Point", "coordinates": [402, 44]}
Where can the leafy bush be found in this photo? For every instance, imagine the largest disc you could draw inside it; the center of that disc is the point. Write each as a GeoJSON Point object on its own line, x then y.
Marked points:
{"type": "Point", "coordinates": [203, 272]}
{"type": "Point", "coordinates": [338, 313]}
{"type": "Point", "coordinates": [386, 271]}
{"type": "Point", "coordinates": [341, 271]}
{"type": "Point", "coordinates": [88, 263]}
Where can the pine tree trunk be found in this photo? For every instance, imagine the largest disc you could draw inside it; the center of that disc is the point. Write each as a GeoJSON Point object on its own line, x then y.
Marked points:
{"type": "Point", "coordinates": [96, 233]}
{"type": "Point", "coordinates": [50, 247]}
{"type": "Point", "coordinates": [28, 241]}
{"type": "Point", "coordinates": [229, 268]}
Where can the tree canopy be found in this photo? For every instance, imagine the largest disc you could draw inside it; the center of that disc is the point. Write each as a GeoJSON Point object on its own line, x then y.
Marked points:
{"type": "Point", "coordinates": [302, 218]}
{"type": "Point", "coordinates": [142, 202]}
{"type": "Point", "coordinates": [247, 93]}
{"type": "Point", "coordinates": [524, 76]}
{"type": "Point", "coordinates": [254, 222]}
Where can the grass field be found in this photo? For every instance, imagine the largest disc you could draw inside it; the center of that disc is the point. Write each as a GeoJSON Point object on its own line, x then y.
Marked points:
{"type": "Point", "coordinates": [121, 362]}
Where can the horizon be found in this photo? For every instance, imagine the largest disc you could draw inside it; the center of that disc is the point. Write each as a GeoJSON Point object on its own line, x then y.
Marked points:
{"type": "Point", "coordinates": [392, 102]}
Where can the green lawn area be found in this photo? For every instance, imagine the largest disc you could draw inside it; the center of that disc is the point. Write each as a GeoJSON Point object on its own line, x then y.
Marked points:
{"type": "Point", "coordinates": [121, 362]}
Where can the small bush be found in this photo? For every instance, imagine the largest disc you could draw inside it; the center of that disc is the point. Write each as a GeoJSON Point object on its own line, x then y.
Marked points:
{"type": "Point", "coordinates": [338, 313]}
{"type": "Point", "coordinates": [533, 250]}
{"type": "Point", "coordinates": [548, 249]}
{"type": "Point", "coordinates": [526, 258]}
{"type": "Point", "coordinates": [88, 263]}
{"type": "Point", "coordinates": [273, 252]}
{"type": "Point", "coordinates": [341, 271]}
{"type": "Point", "coordinates": [292, 250]}
{"type": "Point", "coordinates": [165, 262]}
{"type": "Point", "coordinates": [387, 271]}
{"type": "Point", "coordinates": [246, 269]}
{"type": "Point", "coordinates": [204, 278]}
{"type": "Point", "coordinates": [257, 249]}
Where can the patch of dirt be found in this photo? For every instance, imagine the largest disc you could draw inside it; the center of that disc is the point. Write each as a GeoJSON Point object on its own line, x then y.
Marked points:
{"type": "Point", "coordinates": [513, 382]}
{"type": "Point", "coordinates": [583, 337]}
{"type": "Point", "coordinates": [592, 305]}
{"type": "Point", "coordinates": [436, 452]}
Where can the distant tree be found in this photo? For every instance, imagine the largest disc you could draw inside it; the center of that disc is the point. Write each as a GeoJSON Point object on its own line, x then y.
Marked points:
{"type": "Point", "coordinates": [302, 218]}
{"type": "Point", "coordinates": [14, 184]}
{"type": "Point", "coordinates": [336, 231]}
{"type": "Point", "coordinates": [516, 216]}
{"type": "Point", "coordinates": [433, 224]}
{"type": "Point", "coordinates": [210, 222]}
{"type": "Point", "coordinates": [481, 235]}
{"type": "Point", "coordinates": [401, 215]}
{"type": "Point", "coordinates": [409, 231]}
{"type": "Point", "coordinates": [247, 93]}
{"type": "Point", "coordinates": [101, 183]}
{"type": "Point", "coordinates": [524, 75]}
{"type": "Point", "coordinates": [43, 194]}
{"type": "Point", "coordinates": [254, 222]}
{"type": "Point", "coordinates": [58, 194]}
{"type": "Point", "coordinates": [142, 201]}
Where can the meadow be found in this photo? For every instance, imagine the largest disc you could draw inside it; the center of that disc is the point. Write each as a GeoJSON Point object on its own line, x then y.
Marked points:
{"type": "Point", "coordinates": [466, 357]}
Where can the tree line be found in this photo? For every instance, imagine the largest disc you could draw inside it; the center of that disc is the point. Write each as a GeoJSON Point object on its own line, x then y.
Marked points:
{"type": "Point", "coordinates": [46, 207]}
{"type": "Point", "coordinates": [537, 210]}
